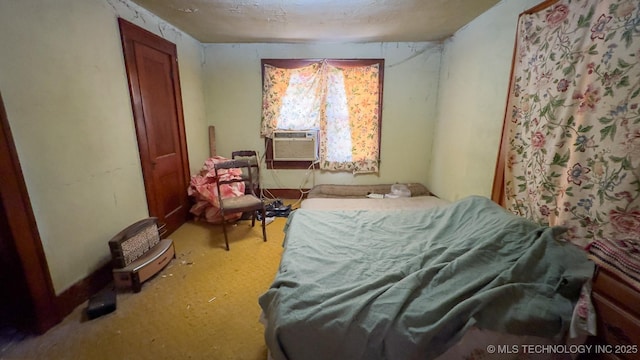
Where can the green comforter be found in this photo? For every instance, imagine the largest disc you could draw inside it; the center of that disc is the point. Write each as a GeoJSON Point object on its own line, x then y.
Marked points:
{"type": "Point", "coordinates": [407, 284]}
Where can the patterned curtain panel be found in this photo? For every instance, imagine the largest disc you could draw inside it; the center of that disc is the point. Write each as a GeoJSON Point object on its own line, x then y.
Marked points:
{"type": "Point", "coordinates": [291, 98]}
{"type": "Point", "coordinates": [573, 121]}
{"type": "Point", "coordinates": [352, 129]}
{"type": "Point", "coordinates": [342, 102]}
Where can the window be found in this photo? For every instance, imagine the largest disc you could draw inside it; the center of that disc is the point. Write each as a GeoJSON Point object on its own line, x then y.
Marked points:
{"type": "Point", "coordinates": [340, 98]}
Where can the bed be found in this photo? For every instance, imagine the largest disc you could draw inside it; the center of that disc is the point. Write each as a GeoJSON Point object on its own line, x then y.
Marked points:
{"type": "Point", "coordinates": [418, 278]}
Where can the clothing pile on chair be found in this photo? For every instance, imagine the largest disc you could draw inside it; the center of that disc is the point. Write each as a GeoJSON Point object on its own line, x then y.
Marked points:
{"type": "Point", "coordinates": [205, 192]}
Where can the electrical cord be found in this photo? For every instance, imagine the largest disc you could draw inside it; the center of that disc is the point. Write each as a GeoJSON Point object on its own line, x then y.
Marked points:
{"type": "Point", "coordinates": [267, 195]}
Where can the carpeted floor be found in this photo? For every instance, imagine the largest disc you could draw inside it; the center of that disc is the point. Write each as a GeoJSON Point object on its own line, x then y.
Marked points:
{"type": "Point", "coordinates": [204, 305]}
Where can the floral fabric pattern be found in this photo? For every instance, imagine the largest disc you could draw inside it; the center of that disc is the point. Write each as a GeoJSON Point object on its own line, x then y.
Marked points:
{"type": "Point", "coordinates": [283, 89]}
{"type": "Point", "coordinates": [360, 123]}
{"type": "Point", "coordinates": [573, 119]}
{"type": "Point", "coordinates": [306, 98]}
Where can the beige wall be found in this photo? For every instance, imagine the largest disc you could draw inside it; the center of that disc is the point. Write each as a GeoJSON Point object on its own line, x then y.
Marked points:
{"type": "Point", "coordinates": [474, 79]}
{"type": "Point", "coordinates": [64, 86]}
{"type": "Point", "coordinates": [233, 100]}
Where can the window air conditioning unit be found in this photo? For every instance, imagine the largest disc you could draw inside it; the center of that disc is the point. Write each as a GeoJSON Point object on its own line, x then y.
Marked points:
{"type": "Point", "coordinates": [295, 145]}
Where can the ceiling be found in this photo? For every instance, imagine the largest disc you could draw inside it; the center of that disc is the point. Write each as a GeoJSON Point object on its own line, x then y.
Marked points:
{"type": "Point", "coordinates": [317, 21]}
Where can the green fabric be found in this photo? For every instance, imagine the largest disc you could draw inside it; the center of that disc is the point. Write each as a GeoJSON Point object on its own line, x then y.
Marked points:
{"type": "Point", "coordinates": [406, 284]}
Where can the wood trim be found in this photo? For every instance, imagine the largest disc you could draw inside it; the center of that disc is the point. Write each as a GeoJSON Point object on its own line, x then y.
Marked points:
{"type": "Point", "coordinates": [498, 189]}
{"type": "Point", "coordinates": [129, 34]}
{"type": "Point", "coordinates": [297, 63]}
{"type": "Point", "coordinates": [543, 5]}
{"type": "Point", "coordinates": [212, 141]}
{"type": "Point", "coordinates": [24, 229]}
{"type": "Point", "coordinates": [82, 290]}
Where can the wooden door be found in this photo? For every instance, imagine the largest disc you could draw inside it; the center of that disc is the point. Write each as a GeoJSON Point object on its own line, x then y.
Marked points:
{"type": "Point", "coordinates": [28, 300]}
{"type": "Point", "coordinates": [154, 84]}
{"type": "Point", "coordinates": [15, 311]}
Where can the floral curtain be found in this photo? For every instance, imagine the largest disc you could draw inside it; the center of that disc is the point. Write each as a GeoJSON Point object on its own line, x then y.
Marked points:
{"type": "Point", "coordinates": [341, 101]}
{"type": "Point", "coordinates": [291, 98]}
{"type": "Point", "coordinates": [358, 87]}
{"type": "Point", "coordinates": [573, 120]}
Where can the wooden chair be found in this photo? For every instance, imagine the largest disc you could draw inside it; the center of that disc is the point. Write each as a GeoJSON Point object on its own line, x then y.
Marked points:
{"type": "Point", "coordinates": [244, 203]}
{"type": "Point", "coordinates": [252, 157]}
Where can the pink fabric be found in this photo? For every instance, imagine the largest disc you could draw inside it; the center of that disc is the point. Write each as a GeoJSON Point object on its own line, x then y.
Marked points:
{"type": "Point", "coordinates": [205, 191]}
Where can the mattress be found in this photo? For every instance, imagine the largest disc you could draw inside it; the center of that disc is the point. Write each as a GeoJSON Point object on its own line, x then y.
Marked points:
{"type": "Point", "coordinates": [384, 278]}
{"type": "Point", "coordinates": [361, 191]}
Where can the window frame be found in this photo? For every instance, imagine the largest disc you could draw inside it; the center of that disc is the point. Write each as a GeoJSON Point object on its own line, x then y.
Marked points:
{"type": "Point", "coordinates": [297, 63]}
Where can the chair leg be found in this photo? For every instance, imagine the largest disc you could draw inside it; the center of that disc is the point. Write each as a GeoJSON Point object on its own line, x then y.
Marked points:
{"type": "Point", "coordinates": [264, 230]}
{"type": "Point", "coordinates": [224, 229]}
{"type": "Point", "coordinates": [253, 219]}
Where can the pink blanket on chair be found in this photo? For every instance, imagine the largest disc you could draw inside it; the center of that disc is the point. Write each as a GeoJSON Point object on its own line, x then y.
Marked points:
{"type": "Point", "coordinates": [204, 189]}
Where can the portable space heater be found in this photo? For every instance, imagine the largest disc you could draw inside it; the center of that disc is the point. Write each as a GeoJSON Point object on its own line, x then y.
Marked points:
{"type": "Point", "coordinates": [138, 253]}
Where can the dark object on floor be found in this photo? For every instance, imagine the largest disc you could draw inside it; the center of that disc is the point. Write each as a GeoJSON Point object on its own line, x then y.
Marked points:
{"type": "Point", "coordinates": [101, 303]}
{"type": "Point", "coordinates": [277, 208]}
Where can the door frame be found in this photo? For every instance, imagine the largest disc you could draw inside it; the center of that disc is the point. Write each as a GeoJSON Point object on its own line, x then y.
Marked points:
{"type": "Point", "coordinates": [24, 232]}
{"type": "Point", "coordinates": [129, 34]}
